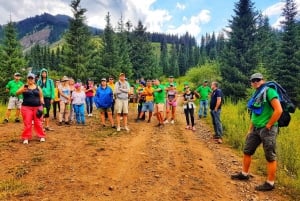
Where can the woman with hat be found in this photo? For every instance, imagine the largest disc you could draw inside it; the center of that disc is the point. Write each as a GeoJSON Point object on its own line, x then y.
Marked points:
{"type": "Point", "coordinates": [31, 109]}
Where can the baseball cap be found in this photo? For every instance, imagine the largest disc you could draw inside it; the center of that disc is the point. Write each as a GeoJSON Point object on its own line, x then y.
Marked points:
{"type": "Point", "coordinates": [31, 75]}
{"type": "Point", "coordinates": [103, 79]}
{"type": "Point", "coordinates": [171, 76]}
{"type": "Point", "coordinates": [122, 74]}
{"type": "Point", "coordinates": [256, 76]}
{"type": "Point", "coordinates": [17, 74]}
{"type": "Point", "coordinates": [205, 81]}
{"type": "Point", "coordinates": [65, 78]}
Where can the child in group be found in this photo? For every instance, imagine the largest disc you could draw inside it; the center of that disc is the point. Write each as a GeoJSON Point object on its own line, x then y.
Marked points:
{"type": "Point", "coordinates": [171, 103]}
{"type": "Point", "coordinates": [65, 100]}
{"type": "Point", "coordinates": [189, 106]}
{"type": "Point", "coordinates": [78, 100]}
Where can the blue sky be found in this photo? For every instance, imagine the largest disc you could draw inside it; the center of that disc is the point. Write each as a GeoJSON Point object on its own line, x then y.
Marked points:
{"type": "Point", "coordinates": [197, 17]}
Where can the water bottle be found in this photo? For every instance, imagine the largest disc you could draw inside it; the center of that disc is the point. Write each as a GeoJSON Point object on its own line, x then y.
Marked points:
{"type": "Point", "coordinates": [44, 110]}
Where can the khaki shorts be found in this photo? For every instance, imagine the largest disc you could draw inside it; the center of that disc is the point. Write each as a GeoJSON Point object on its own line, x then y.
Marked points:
{"type": "Point", "coordinates": [14, 102]}
{"type": "Point", "coordinates": [105, 109]}
{"type": "Point", "coordinates": [121, 106]}
{"type": "Point", "coordinates": [159, 107]}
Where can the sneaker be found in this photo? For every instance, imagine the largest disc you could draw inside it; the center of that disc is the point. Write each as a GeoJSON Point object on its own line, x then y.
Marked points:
{"type": "Point", "coordinates": [25, 141]}
{"type": "Point", "coordinates": [138, 120]}
{"type": "Point", "coordinates": [5, 121]}
{"type": "Point", "coordinates": [187, 127]}
{"type": "Point", "coordinates": [239, 176]}
{"type": "Point", "coordinates": [158, 125]}
{"type": "Point", "coordinates": [193, 128]}
{"type": "Point", "coordinates": [67, 123]}
{"type": "Point", "coordinates": [148, 121]}
{"type": "Point", "coordinates": [219, 141]}
{"type": "Point", "coordinates": [48, 129]}
{"type": "Point", "coordinates": [113, 126]}
{"type": "Point", "coordinates": [42, 139]}
{"type": "Point", "coordinates": [60, 123]}
{"type": "Point", "coordinates": [118, 129]}
{"type": "Point", "coordinates": [17, 120]}
{"type": "Point", "coordinates": [265, 187]}
{"type": "Point", "coordinates": [172, 121]}
{"type": "Point", "coordinates": [127, 129]}
{"type": "Point", "coordinates": [166, 121]}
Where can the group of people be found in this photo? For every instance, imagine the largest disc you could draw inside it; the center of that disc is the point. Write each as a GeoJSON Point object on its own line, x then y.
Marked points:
{"type": "Point", "coordinates": [33, 100]}
{"type": "Point", "coordinates": [68, 100]}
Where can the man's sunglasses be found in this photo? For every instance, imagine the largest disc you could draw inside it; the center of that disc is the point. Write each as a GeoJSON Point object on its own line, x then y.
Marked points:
{"type": "Point", "coordinates": [255, 80]}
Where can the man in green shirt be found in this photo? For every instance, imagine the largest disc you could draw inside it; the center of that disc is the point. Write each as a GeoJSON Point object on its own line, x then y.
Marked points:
{"type": "Point", "coordinates": [203, 92]}
{"type": "Point", "coordinates": [263, 130]}
{"type": "Point", "coordinates": [159, 101]}
{"type": "Point", "coordinates": [14, 101]}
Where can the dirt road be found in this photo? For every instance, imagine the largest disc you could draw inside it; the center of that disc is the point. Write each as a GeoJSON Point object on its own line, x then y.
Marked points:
{"type": "Point", "coordinates": [146, 164]}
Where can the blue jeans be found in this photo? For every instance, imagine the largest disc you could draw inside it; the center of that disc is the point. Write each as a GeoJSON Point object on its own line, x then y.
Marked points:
{"type": "Point", "coordinates": [203, 108]}
{"type": "Point", "coordinates": [79, 112]}
{"type": "Point", "coordinates": [217, 123]}
{"type": "Point", "coordinates": [89, 104]}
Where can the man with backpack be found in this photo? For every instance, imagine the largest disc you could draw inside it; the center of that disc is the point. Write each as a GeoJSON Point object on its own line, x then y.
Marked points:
{"type": "Point", "coordinates": [263, 129]}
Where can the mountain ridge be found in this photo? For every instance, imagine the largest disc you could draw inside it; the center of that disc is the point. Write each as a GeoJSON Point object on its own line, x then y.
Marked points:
{"type": "Point", "coordinates": [43, 29]}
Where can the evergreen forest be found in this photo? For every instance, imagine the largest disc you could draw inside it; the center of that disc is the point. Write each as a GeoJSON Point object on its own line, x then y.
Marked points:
{"type": "Point", "coordinates": [247, 45]}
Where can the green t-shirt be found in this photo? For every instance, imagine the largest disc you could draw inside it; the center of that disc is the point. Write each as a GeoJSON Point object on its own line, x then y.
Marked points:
{"type": "Point", "coordinates": [159, 96]}
{"type": "Point", "coordinates": [167, 85]}
{"type": "Point", "coordinates": [260, 121]}
{"type": "Point", "coordinates": [13, 87]}
{"type": "Point", "coordinates": [204, 91]}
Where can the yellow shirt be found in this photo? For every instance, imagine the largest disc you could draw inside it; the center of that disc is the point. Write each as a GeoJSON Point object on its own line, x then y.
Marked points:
{"type": "Point", "coordinates": [56, 95]}
{"type": "Point", "coordinates": [148, 91]}
{"type": "Point", "coordinates": [112, 86]}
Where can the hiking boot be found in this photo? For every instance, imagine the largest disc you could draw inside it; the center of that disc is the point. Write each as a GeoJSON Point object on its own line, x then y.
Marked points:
{"type": "Point", "coordinates": [17, 120]}
{"type": "Point", "coordinates": [239, 176]}
{"type": "Point", "coordinates": [265, 187]}
{"type": "Point", "coordinates": [5, 121]}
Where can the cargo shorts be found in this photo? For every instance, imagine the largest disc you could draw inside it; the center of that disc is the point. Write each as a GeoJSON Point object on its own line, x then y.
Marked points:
{"type": "Point", "coordinates": [264, 136]}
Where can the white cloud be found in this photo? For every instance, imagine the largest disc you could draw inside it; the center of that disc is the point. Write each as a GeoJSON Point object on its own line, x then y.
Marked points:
{"type": "Point", "coordinates": [193, 25]}
{"type": "Point", "coordinates": [180, 6]}
{"type": "Point", "coordinates": [19, 10]}
{"type": "Point", "coordinates": [275, 12]}
{"type": "Point", "coordinates": [153, 19]}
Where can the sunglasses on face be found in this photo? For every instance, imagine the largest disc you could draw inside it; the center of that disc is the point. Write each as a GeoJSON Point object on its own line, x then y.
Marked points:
{"type": "Point", "coordinates": [255, 80]}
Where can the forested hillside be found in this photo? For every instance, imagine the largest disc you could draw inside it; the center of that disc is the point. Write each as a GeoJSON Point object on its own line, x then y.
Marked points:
{"type": "Point", "coordinates": [249, 45]}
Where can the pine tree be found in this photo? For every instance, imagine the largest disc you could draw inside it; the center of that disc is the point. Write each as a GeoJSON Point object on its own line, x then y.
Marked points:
{"type": "Point", "coordinates": [110, 57]}
{"type": "Point", "coordinates": [124, 49]}
{"type": "Point", "coordinates": [239, 57]}
{"type": "Point", "coordinates": [288, 70]}
{"type": "Point", "coordinates": [174, 70]}
{"type": "Point", "coordinates": [76, 55]}
{"type": "Point", "coordinates": [164, 59]}
{"type": "Point", "coordinates": [142, 56]}
{"type": "Point", "coordinates": [11, 56]}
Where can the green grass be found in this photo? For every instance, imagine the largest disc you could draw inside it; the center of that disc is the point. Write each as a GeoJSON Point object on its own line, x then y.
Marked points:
{"type": "Point", "coordinates": [13, 187]}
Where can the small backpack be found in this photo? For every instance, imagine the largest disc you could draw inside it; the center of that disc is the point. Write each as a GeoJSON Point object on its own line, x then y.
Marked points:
{"type": "Point", "coordinates": [286, 103]}
{"type": "Point", "coordinates": [255, 103]}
